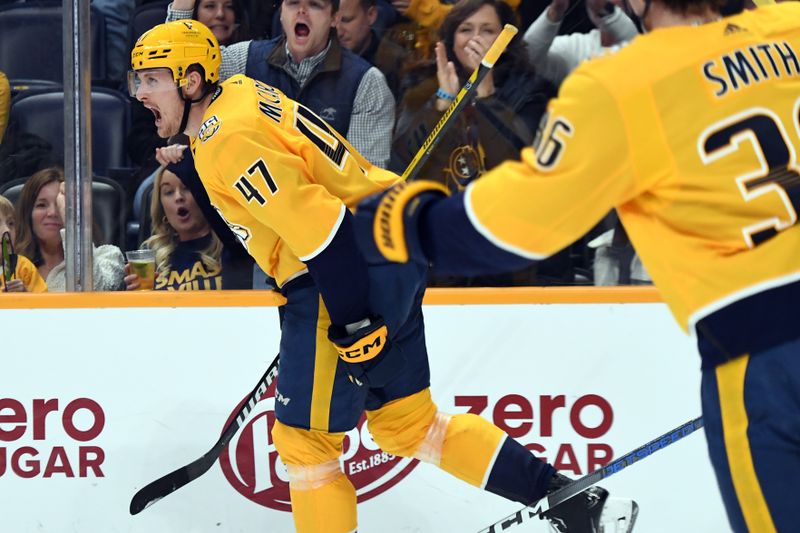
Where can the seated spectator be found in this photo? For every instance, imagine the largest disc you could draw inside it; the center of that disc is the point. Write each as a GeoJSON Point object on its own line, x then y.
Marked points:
{"type": "Point", "coordinates": [354, 29]}
{"type": "Point", "coordinates": [509, 101]}
{"type": "Point", "coordinates": [40, 235]}
{"type": "Point", "coordinates": [5, 104]}
{"type": "Point", "coordinates": [308, 65]}
{"type": "Point", "coordinates": [555, 56]}
{"type": "Point", "coordinates": [226, 19]}
{"type": "Point", "coordinates": [508, 106]}
{"type": "Point", "coordinates": [23, 276]}
{"type": "Point", "coordinates": [188, 253]}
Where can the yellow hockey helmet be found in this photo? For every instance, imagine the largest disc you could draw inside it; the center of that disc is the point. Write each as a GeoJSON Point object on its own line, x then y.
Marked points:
{"type": "Point", "coordinates": [177, 45]}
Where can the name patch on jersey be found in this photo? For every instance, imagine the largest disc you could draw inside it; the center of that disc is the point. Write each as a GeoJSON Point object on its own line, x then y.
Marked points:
{"type": "Point", "coordinates": [269, 102]}
{"type": "Point", "coordinates": [751, 65]}
{"type": "Point", "coordinates": [209, 128]}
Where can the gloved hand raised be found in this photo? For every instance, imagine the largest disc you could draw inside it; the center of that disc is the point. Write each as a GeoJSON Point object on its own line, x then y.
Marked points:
{"type": "Point", "coordinates": [387, 223]}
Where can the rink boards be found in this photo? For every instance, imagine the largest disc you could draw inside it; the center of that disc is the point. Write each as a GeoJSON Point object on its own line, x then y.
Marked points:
{"type": "Point", "coordinates": [101, 394]}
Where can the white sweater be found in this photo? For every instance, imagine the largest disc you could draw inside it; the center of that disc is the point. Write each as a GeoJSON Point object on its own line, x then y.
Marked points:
{"type": "Point", "coordinates": [108, 266]}
{"type": "Point", "coordinates": [555, 56]}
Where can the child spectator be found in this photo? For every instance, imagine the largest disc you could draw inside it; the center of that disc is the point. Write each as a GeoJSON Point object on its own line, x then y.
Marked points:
{"type": "Point", "coordinates": [227, 19]}
{"type": "Point", "coordinates": [25, 277]}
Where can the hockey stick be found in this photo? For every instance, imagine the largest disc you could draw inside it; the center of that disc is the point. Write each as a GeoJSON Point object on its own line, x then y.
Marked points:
{"type": "Point", "coordinates": [166, 485]}
{"type": "Point", "coordinates": [579, 485]}
{"type": "Point", "coordinates": [488, 61]}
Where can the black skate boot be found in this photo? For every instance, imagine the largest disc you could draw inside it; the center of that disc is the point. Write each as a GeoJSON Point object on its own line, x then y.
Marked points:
{"type": "Point", "coordinates": [579, 514]}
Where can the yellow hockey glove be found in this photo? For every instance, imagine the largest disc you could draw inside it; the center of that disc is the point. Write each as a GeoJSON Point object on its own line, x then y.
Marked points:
{"type": "Point", "coordinates": [387, 223]}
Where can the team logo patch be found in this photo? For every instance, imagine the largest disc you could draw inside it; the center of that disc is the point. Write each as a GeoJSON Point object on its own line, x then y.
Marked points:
{"type": "Point", "coordinates": [465, 166]}
{"type": "Point", "coordinates": [251, 464]}
{"type": "Point", "coordinates": [209, 128]}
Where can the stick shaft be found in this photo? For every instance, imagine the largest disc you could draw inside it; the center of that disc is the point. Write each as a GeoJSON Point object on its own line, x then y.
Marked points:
{"type": "Point", "coordinates": [169, 483]}
{"type": "Point", "coordinates": [488, 61]}
{"type": "Point", "coordinates": [579, 485]}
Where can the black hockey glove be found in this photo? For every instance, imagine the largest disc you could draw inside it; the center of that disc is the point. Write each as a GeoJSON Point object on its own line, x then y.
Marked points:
{"type": "Point", "coordinates": [372, 360]}
{"type": "Point", "coordinates": [387, 223]}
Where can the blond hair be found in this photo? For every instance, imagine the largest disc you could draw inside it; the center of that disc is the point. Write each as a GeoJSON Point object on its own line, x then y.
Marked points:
{"type": "Point", "coordinates": [164, 239]}
{"type": "Point", "coordinates": [6, 208]}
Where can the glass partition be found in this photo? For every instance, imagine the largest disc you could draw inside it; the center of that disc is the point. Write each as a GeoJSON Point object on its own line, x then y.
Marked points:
{"type": "Point", "coordinates": [132, 202]}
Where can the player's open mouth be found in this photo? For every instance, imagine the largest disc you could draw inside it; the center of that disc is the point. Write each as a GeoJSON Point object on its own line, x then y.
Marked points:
{"type": "Point", "coordinates": [301, 30]}
{"type": "Point", "coordinates": [156, 114]}
{"type": "Point", "coordinates": [183, 214]}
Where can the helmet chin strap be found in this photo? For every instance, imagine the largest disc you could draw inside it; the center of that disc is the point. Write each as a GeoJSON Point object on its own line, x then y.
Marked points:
{"type": "Point", "coordinates": [638, 20]}
{"type": "Point", "coordinates": [187, 106]}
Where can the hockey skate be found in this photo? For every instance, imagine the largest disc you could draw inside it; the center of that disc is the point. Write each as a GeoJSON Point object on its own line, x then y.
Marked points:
{"type": "Point", "coordinates": [591, 511]}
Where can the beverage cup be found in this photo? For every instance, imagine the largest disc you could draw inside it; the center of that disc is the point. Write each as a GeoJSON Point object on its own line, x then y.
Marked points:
{"type": "Point", "coordinates": [143, 264]}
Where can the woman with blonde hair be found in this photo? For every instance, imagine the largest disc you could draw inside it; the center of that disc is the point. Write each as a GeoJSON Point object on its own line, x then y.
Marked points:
{"type": "Point", "coordinates": [188, 254]}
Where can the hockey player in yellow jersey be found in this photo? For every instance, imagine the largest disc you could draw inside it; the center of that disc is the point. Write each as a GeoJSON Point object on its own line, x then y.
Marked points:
{"type": "Point", "coordinates": [692, 132]}
{"type": "Point", "coordinates": [352, 338]}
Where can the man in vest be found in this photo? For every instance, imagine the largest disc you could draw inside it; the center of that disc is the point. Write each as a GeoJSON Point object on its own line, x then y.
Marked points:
{"type": "Point", "coordinates": [308, 64]}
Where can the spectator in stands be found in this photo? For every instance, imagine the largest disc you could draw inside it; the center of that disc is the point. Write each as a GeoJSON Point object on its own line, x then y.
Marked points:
{"type": "Point", "coordinates": [227, 19]}
{"type": "Point", "coordinates": [5, 103]}
{"type": "Point", "coordinates": [354, 29]}
{"type": "Point", "coordinates": [238, 267]}
{"type": "Point", "coordinates": [508, 105]}
{"type": "Point", "coordinates": [25, 277]}
{"type": "Point", "coordinates": [40, 235]}
{"type": "Point", "coordinates": [503, 118]}
{"type": "Point", "coordinates": [188, 253]}
{"type": "Point", "coordinates": [554, 57]}
{"type": "Point", "coordinates": [308, 64]}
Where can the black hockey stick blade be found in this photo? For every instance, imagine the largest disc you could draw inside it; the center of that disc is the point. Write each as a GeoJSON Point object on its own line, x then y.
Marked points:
{"type": "Point", "coordinates": [166, 485]}
{"type": "Point", "coordinates": [579, 485]}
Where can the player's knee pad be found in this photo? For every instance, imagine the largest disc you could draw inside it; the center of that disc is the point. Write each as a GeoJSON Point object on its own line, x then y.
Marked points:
{"type": "Point", "coordinates": [400, 426]}
{"type": "Point", "coordinates": [299, 447]}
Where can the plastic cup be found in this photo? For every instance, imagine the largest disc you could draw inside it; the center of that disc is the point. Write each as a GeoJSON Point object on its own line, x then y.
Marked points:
{"type": "Point", "coordinates": [143, 264]}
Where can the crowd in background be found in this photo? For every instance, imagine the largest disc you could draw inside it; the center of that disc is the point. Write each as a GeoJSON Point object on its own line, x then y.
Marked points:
{"type": "Point", "coordinates": [382, 73]}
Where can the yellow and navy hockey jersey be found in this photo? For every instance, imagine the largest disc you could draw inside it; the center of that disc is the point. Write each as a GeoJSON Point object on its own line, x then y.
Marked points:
{"type": "Point", "coordinates": [279, 175]}
{"type": "Point", "coordinates": [693, 134]}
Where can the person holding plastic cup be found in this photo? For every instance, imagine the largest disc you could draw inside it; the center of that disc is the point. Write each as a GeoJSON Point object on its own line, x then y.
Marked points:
{"type": "Point", "coordinates": [182, 252]}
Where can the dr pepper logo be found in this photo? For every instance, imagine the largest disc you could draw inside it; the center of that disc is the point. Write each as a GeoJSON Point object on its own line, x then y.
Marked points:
{"type": "Point", "coordinates": [252, 466]}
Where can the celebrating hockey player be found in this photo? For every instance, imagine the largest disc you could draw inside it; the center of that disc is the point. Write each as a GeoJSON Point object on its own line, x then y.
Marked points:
{"type": "Point", "coordinates": [692, 133]}
{"type": "Point", "coordinates": [352, 337]}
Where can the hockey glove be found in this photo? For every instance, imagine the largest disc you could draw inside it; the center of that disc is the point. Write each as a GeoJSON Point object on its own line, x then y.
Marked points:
{"type": "Point", "coordinates": [371, 358]}
{"type": "Point", "coordinates": [388, 222]}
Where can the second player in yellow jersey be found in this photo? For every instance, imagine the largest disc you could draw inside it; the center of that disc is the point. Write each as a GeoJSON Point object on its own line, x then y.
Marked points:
{"type": "Point", "coordinates": [692, 133]}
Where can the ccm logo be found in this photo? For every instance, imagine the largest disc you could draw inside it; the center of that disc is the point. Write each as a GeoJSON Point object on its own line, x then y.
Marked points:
{"type": "Point", "coordinates": [361, 351]}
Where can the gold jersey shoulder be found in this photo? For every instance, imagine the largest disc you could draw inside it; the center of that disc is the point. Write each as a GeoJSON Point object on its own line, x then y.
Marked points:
{"type": "Point", "coordinates": [278, 174]}
{"type": "Point", "coordinates": [691, 133]}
